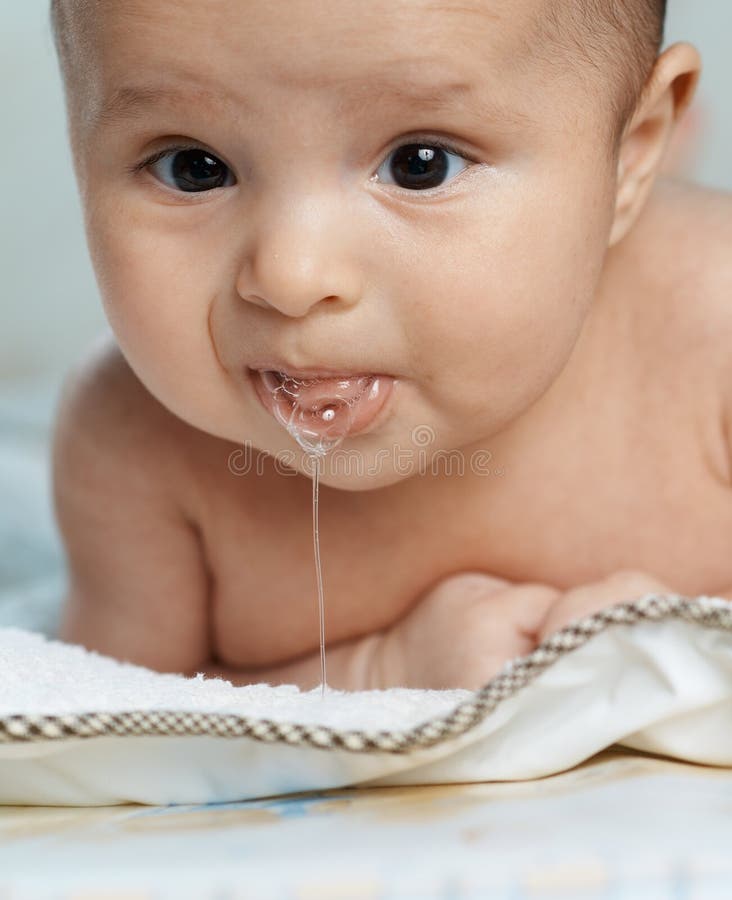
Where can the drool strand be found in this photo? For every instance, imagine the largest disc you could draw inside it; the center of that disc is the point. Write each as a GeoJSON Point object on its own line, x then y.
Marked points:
{"type": "Point", "coordinates": [319, 424]}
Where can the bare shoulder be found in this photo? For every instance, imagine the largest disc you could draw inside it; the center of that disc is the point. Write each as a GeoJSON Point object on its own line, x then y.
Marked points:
{"type": "Point", "coordinates": [686, 234]}
{"type": "Point", "coordinates": [699, 245]}
{"type": "Point", "coordinates": [677, 266]}
{"type": "Point", "coordinates": [107, 420]}
{"type": "Point", "coordinates": [682, 254]}
{"type": "Point", "coordinates": [102, 400]}
{"type": "Point", "coordinates": [132, 548]}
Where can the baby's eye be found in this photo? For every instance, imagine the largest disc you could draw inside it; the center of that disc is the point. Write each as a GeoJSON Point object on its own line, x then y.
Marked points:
{"type": "Point", "coordinates": [190, 169]}
{"type": "Point", "coordinates": [421, 166]}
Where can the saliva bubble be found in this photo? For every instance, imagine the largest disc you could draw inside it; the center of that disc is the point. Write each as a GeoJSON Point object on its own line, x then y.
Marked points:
{"type": "Point", "coordinates": [317, 419]}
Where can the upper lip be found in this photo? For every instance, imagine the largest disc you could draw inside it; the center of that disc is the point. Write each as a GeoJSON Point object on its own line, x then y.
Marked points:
{"type": "Point", "coordinates": [317, 371]}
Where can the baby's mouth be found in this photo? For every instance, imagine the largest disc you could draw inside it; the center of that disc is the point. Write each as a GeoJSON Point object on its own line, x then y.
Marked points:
{"type": "Point", "coordinates": [321, 411]}
{"type": "Point", "coordinates": [312, 390]}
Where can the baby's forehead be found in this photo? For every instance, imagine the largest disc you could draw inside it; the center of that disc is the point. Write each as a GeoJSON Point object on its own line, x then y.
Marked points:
{"type": "Point", "coordinates": [318, 39]}
{"type": "Point", "coordinates": [309, 22]}
{"type": "Point", "coordinates": [499, 45]}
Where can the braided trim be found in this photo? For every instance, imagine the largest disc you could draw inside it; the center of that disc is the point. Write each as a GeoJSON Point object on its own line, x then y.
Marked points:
{"type": "Point", "coordinates": [515, 675]}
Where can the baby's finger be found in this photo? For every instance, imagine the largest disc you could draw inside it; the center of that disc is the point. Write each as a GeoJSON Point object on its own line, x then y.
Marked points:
{"type": "Point", "coordinates": [582, 601]}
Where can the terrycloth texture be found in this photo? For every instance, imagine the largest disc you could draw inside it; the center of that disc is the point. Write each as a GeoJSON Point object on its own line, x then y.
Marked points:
{"type": "Point", "coordinates": [53, 679]}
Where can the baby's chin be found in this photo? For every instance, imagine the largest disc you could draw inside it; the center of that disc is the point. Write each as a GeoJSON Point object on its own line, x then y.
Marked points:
{"type": "Point", "coordinates": [257, 447]}
{"type": "Point", "coordinates": [351, 472]}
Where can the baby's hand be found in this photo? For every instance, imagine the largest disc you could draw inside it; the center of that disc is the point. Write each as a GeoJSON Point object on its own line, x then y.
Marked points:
{"type": "Point", "coordinates": [469, 625]}
{"type": "Point", "coordinates": [462, 632]}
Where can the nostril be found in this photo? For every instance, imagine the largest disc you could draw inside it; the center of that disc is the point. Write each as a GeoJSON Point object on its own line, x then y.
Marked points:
{"type": "Point", "coordinates": [255, 299]}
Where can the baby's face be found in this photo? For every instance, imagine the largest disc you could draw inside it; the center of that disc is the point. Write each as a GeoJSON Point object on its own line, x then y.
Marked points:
{"type": "Point", "coordinates": [398, 186]}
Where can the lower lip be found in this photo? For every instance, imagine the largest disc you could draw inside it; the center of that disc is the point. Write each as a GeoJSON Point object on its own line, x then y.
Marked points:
{"type": "Point", "coordinates": [366, 415]}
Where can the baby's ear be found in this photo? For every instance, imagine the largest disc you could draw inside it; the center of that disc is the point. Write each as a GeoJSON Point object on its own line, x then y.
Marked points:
{"type": "Point", "coordinates": [669, 90]}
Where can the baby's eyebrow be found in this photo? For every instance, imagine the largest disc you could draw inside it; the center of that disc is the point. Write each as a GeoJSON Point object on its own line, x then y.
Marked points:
{"type": "Point", "coordinates": [129, 102]}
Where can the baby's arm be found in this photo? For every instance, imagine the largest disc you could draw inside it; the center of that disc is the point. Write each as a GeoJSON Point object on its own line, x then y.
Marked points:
{"type": "Point", "coordinates": [137, 580]}
{"type": "Point", "coordinates": [349, 667]}
{"type": "Point", "coordinates": [459, 634]}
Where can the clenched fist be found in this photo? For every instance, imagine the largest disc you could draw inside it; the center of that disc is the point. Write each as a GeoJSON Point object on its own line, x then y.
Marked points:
{"type": "Point", "coordinates": [461, 632]}
{"type": "Point", "coordinates": [469, 625]}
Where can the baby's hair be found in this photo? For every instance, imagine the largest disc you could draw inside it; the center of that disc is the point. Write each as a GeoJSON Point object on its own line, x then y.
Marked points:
{"type": "Point", "coordinates": [68, 21]}
{"type": "Point", "coordinates": [60, 29]}
{"type": "Point", "coordinates": [619, 39]}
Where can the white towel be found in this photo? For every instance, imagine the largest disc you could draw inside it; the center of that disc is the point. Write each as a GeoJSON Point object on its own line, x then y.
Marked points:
{"type": "Point", "coordinates": [80, 729]}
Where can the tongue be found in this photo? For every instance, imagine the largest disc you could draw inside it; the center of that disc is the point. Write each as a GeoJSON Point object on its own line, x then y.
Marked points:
{"type": "Point", "coordinates": [320, 412]}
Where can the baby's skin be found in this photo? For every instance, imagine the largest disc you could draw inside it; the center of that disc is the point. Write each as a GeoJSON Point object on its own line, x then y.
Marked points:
{"type": "Point", "coordinates": [554, 318]}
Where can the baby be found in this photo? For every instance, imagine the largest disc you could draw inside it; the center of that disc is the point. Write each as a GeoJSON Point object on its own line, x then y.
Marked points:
{"type": "Point", "coordinates": [457, 203]}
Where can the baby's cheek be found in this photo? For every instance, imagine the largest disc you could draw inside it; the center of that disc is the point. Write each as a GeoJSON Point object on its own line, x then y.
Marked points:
{"type": "Point", "coordinates": [512, 310]}
{"type": "Point", "coordinates": [158, 309]}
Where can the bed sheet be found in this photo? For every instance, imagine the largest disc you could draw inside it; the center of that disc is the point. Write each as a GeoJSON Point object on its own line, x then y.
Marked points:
{"type": "Point", "coordinates": [622, 826]}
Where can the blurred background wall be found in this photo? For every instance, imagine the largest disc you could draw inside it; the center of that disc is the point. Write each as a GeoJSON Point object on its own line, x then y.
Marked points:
{"type": "Point", "coordinates": [49, 308]}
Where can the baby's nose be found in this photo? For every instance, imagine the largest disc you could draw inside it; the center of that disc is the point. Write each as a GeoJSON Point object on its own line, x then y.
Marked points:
{"type": "Point", "coordinates": [299, 260]}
